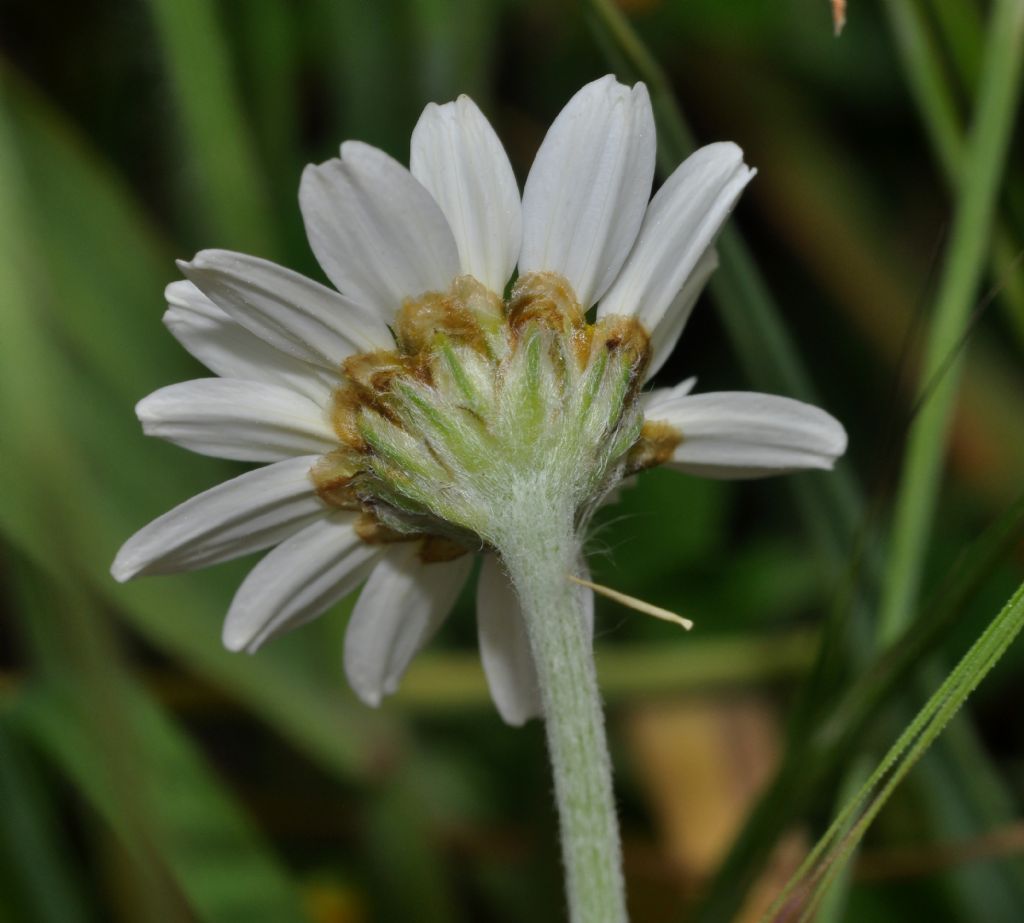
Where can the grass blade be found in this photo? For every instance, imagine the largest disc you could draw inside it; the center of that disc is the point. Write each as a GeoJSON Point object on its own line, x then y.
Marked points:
{"type": "Point", "coordinates": [815, 759]}
{"type": "Point", "coordinates": [811, 882]}
{"type": "Point", "coordinates": [230, 185]}
{"type": "Point", "coordinates": [43, 886]}
{"type": "Point", "coordinates": [85, 462]}
{"type": "Point", "coordinates": [996, 111]}
{"type": "Point", "coordinates": [209, 848]}
{"type": "Point", "coordinates": [922, 62]}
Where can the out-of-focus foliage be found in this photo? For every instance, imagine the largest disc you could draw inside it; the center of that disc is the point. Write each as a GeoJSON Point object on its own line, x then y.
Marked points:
{"type": "Point", "coordinates": [146, 774]}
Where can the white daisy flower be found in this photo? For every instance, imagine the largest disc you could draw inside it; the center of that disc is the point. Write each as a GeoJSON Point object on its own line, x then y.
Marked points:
{"type": "Point", "coordinates": [392, 415]}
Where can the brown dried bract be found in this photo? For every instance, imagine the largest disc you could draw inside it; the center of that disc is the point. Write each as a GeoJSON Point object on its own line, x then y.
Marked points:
{"type": "Point", "coordinates": [422, 319]}
{"type": "Point", "coordinates": [437, 549]}
{"type": "Point", "coordinates": [658, 440]}
{"type": "Point", "coordinates": [333, 476]}
{"type": "Point", "coordinates": [345, 405]}
{"type": "Point", "coordinates": [626, 336]}
{"type": "Point", "coordinates": [546, 298]}
{"type": "Point", "coordinates": [367, 380]}
{"type": "Point", "coordinates": [372, 531]}
{"type": "Point", "coordinates": [373, 373]}
{"type": "Point", "coordinates": [434, 549]}
{"type": "Point", "coordinates": [618, 333]}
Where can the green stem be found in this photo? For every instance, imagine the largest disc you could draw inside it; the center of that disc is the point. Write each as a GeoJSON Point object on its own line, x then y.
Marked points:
{"type": "Point", "coordinates": [921, 55]}
{"type": "Point", "coordinates": [969, 240]}
{"type": "Point", "coordinates": [539, 560]}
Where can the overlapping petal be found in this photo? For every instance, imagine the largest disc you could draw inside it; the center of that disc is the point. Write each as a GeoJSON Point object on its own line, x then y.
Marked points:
{"type": "Point", "coordinates": [241, 420]}
{"type": "Point", "coordinates": [669, 328]}
{"type": "Point", "coordinates": [401, 607]}
{"type": "Point", "coordinates": [298, 580]}
{"type": "Point", "coordinates": [229, 350]}
{"type": "Point", "coordinates": [457, 156]}
{"type": "Point", "coordinates": [377, 233]}
{"type": "Point", "coordinates": [737, 434]}
{"type": "Point", "coordinates": [248, 513]}
{"type": "Point", "coordinates": [505, 647]}
{"type": "Point", "coordinates": [652, 401]}
{"type": "Point", "coordinates": [586, 194]}
{"type": "Point", "coordinates": [682, 222]}
{"type": "Point", "coordinates": [292, 313]}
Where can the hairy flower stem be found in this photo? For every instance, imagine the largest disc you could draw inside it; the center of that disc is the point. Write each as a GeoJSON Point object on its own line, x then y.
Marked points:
{"type": "Point", "coordinates": [538, 562]}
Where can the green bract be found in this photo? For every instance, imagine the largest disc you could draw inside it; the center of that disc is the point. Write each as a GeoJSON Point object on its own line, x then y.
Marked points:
{"type": "Point", "coordinates": [481, 404]}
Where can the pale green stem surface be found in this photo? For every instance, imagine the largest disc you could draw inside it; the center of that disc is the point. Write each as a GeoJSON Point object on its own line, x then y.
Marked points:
{"type": "Point", "coordinates": [969, 241]}
{"type": "Point", "coordinates": [539, 560]}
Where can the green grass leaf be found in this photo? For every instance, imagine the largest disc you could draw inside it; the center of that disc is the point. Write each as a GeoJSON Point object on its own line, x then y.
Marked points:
{"type": "Point", "coordinates": [824, 864]}
{"type": "Point", "coordinates": [987, 149]}
{"type": "Point", "coordinates": [41, 882]}
{"type": "Point", "coordinates": [211, 849]}
{"type": "Point", "coordinates": [231, 193]}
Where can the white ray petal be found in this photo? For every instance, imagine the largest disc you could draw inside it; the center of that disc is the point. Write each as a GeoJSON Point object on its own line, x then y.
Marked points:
{"type": "Point", "coordinates": [248, 513]}
{"type": "Point", "coordinates": [401, 607]}
{"type": "Point", "coordinates": [681, 223]}
{"type": "Point", "coordinates": [298, 580]}
{"type": "Point", "coordinates": [296, 315]}
{"type": "Point", "coordinates": [378, 234]}
{"type": "Point", "coordinates": [652, 401]}
{"type": "Point", "coordinates": [457, 156]}
{"type": "Point", "coordinates": [505, 647]}
{"type": "Point", "coordinates": [230, 351]}
{"type": "Point", "coordinates": [587, 192]}
{"type": "Point", "coordinates": [669, 328]}
{"type": "Point", "coordinates": [737, 434]}
{"type": "Point", "coordinates": [242, 420]}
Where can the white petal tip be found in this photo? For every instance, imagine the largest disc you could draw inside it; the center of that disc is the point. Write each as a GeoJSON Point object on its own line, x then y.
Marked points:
{"type": "Point", "coordinates": [236, 641]}
{"type": "Point", "coordinates": [729, 153]}
{"type": "Point", "coordinates": [238, 634]}
{"type": "Point", "coordinates": [609, 82]}
{"type": "Point", "coordinates": [122, 570]}
{"type": "Point", "coordinates": [175, 292]}
{"type": "Point", "coordinates": [358, 149]}
{"type": "Point", "coordinates": [310, 174]}
{"type": "Point", "coordinates": [144, 412]}
{"type": "Point", "coordinates": [210, 258]}
{"type": "Point", "coordinates": [723, 150]}
{"type": "Point", "coordinates": [840, 442]}
{"type": "Point", "coordinates": [369, 697]}
{"type": "Point", "coordinates": [516, 720]}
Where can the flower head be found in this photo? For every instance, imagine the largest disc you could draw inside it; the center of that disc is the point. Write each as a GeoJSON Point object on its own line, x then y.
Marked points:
{"type": "Point", "coordinates": [408, 418]}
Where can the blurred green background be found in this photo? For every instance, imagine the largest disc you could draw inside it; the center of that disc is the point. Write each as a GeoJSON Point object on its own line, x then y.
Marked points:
{"type": "Point", "coordinates": [146, 774]}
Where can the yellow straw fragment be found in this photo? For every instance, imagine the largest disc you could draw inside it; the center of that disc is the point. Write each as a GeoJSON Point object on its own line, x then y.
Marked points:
{"type": "Point", "coordinates": [634, 603]}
